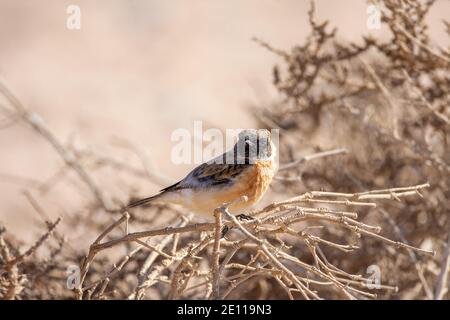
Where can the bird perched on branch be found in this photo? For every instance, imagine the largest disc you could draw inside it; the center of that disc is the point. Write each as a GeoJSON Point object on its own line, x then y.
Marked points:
{"type": "Point", "coordinates": [245, 170]}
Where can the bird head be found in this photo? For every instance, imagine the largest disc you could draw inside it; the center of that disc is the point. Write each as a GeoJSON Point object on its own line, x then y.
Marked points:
{"type": "Point", "coordinates": [254, 144]}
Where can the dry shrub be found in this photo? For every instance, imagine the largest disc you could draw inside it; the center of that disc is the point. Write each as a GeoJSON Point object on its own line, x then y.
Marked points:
{"type": "Point", "coordinates": [386, 103]}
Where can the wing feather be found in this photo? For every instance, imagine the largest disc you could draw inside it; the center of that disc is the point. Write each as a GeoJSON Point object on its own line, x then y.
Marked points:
{"type": "Point", "coordinates": [208, 174]}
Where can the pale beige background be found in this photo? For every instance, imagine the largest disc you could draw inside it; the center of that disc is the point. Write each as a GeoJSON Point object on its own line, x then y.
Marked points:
{"type": "Point", "coordinates": [140, 69]}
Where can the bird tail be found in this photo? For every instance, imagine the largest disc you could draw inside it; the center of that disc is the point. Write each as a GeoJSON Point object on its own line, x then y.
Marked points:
{"type": "Point", "coordinates": [141, 202]}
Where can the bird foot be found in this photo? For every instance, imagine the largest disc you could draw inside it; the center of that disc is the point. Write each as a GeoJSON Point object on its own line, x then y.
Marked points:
{"type": "Point", "coordinates": [245, 217]}
{"type": "Point", "coordinates": [225, 230]}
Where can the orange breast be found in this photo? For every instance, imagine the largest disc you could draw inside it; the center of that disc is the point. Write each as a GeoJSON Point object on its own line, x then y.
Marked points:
{"type": "Point", "coordinates": [255, 181]}
{"type": "Point", "coordinates": [252, 183]}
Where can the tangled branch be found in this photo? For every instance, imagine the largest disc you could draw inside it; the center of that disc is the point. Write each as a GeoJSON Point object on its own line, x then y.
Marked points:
{"type": "Point", "coordinates": [270, 240]}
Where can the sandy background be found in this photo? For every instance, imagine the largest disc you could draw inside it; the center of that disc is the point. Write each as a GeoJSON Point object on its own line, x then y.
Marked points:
{"type": "Point", "coordinates": [139, 70]}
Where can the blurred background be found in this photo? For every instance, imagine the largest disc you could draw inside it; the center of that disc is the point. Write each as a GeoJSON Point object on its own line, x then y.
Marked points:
{"type": "Point", "coordinates": [113, 92]}
{"type": "Point", "coordinates": [136, 71]}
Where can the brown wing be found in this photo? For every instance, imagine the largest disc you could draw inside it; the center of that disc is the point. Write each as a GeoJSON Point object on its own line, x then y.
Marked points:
{"type": "Point", "coordinates": [208, 174]}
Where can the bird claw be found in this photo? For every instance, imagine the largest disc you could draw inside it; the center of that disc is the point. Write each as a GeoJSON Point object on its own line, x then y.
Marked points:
{"type": "Point", "coordinates": [225, 230]}
{"type": "Point", "coordinates": [245, 217]}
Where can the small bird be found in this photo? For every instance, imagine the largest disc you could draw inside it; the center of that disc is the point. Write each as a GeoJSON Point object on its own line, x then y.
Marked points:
{"type": "Point", "coordinates": [245, 170]}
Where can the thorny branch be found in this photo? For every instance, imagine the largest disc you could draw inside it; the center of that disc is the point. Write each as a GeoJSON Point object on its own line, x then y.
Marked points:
{"type": "Point", "coordinates": [302, 247]}
{"type": "Point", "coordinates": [277, 223]}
